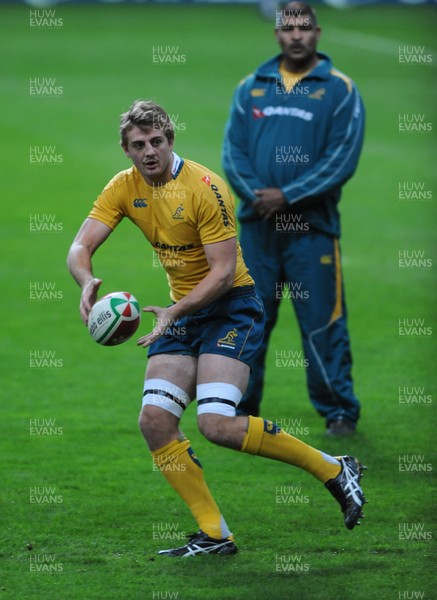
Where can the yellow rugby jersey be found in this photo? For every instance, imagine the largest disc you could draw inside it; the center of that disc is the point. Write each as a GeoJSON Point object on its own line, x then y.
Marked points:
{"type": "Point", "coordinates": [178, 218]}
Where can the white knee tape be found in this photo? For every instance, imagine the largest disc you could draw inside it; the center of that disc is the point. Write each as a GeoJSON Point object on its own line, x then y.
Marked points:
{"type": "Point", "coordinates": [218, 398]}
{"type": "Point", "coordinates": [166, 395]}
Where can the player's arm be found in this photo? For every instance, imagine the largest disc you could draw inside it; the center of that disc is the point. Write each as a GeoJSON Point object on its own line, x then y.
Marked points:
{"type": "Point", "coordinates": [90, 236]}
{"type": "Point", "coordinates": [222, 260]}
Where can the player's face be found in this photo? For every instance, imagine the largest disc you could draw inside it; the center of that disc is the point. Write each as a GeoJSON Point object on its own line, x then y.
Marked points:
{"type": "Point", "coordinates": [151, 153]}
{"type": "Point", "coordinates": [298, 38]}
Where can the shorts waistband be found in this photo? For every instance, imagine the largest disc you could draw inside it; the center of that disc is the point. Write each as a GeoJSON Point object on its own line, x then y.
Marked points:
{"type": "Point", "coordinates": [235, 292]}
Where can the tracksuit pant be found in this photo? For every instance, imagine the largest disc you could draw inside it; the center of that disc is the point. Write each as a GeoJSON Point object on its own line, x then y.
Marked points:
{"type": "Point", "coordinates": [306, 267]}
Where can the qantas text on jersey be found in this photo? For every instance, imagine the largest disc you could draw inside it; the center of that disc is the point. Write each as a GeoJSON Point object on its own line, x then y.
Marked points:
{"type": "Point", "coordinates": [283, 111]}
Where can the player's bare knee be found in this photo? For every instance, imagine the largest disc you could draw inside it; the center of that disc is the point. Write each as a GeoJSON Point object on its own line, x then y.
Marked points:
{"type": "Point", "coordinates": [163, 406]}
{"type": "Point", "coordinates": [214, 427]}
{"type": "Point", "coordinates": [216, 404]}
{"type": "Point", "coordinates": [150, 420]}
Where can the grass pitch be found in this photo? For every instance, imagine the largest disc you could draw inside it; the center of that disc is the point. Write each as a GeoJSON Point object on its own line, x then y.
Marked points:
{"type": "Point", "coordinates": [83, 511]}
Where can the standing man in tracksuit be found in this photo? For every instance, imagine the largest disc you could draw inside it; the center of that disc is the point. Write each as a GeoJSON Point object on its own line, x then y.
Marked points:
{"type": "Point", "coordinates": [293, 139]}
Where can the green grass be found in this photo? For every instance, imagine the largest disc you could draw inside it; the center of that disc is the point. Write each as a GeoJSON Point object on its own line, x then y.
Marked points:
{"type": "Point", "coordinates": [101, 530]}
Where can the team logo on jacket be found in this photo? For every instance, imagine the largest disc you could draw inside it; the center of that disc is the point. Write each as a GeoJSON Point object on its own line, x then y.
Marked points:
{"type": "Point", "coordinates": [257, 113]}
{"type": "Point", "coordinates": [207, 179]}
{"type": "Point", "coordinates": [228, 341]}
{"type": "Point", "coordinates": [318, 94]}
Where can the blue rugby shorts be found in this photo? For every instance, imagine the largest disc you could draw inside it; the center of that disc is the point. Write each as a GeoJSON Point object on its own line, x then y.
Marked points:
{"type": "Point", "coordinates": [231, 326]}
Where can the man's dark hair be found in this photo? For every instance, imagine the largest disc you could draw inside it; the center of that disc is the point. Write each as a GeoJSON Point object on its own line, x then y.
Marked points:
{"type": "Point", "coordinates": [299, 9]}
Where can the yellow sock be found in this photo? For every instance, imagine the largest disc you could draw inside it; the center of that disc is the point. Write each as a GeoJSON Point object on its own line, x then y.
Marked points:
{"type": "Point", "coordinates": [184, 473]}
{"type": "Point", "coordinates": [267, 439]}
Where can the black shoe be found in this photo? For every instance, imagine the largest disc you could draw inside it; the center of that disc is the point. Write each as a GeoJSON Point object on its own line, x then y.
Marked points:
{"type": "Point", "coordinates": [340, 427]}
{"type": "Point", "coordinates": [347, 491]}
{"type": "Point", "coordinates": [200, 543]}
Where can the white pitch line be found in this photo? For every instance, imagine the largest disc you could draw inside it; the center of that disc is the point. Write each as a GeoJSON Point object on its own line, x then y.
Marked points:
{"type": "Point", "coordinates": [374, 43]}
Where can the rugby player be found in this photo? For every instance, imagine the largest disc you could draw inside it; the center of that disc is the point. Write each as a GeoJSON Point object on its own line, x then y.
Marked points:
{"type": "Point", "coordinates": [204, 342]}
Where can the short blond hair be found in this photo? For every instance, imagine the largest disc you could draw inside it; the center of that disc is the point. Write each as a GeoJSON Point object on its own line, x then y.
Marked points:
{"type": "Point", "coordinates": [145, 115]}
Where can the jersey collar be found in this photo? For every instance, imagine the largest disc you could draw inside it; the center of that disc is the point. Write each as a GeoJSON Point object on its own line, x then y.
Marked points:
{"type": "Point", "coordinates": [178, 163]}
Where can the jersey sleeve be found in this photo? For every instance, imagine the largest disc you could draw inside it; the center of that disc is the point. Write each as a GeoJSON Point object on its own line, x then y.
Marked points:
{"type": "Point", "coordinates": [109, 206]}
{"type": "Point", "coordinates": [216, 213]}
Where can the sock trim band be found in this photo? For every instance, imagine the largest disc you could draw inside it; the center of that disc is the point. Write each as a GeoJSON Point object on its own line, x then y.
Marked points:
{"type": "Point", "coordinates": [254, 436]}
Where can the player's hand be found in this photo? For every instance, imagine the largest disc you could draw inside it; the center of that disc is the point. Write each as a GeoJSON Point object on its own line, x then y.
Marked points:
{"type": "Point", "coordinates": [268, 202]}
{"type": "Point", "coordinates": [88, 298]}
{"type": "Point", "coordinates": [164, 319]}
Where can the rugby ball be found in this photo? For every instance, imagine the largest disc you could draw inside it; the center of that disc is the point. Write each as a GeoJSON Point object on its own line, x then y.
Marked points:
{"type": "Point", "coordinates": [114, 318]}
